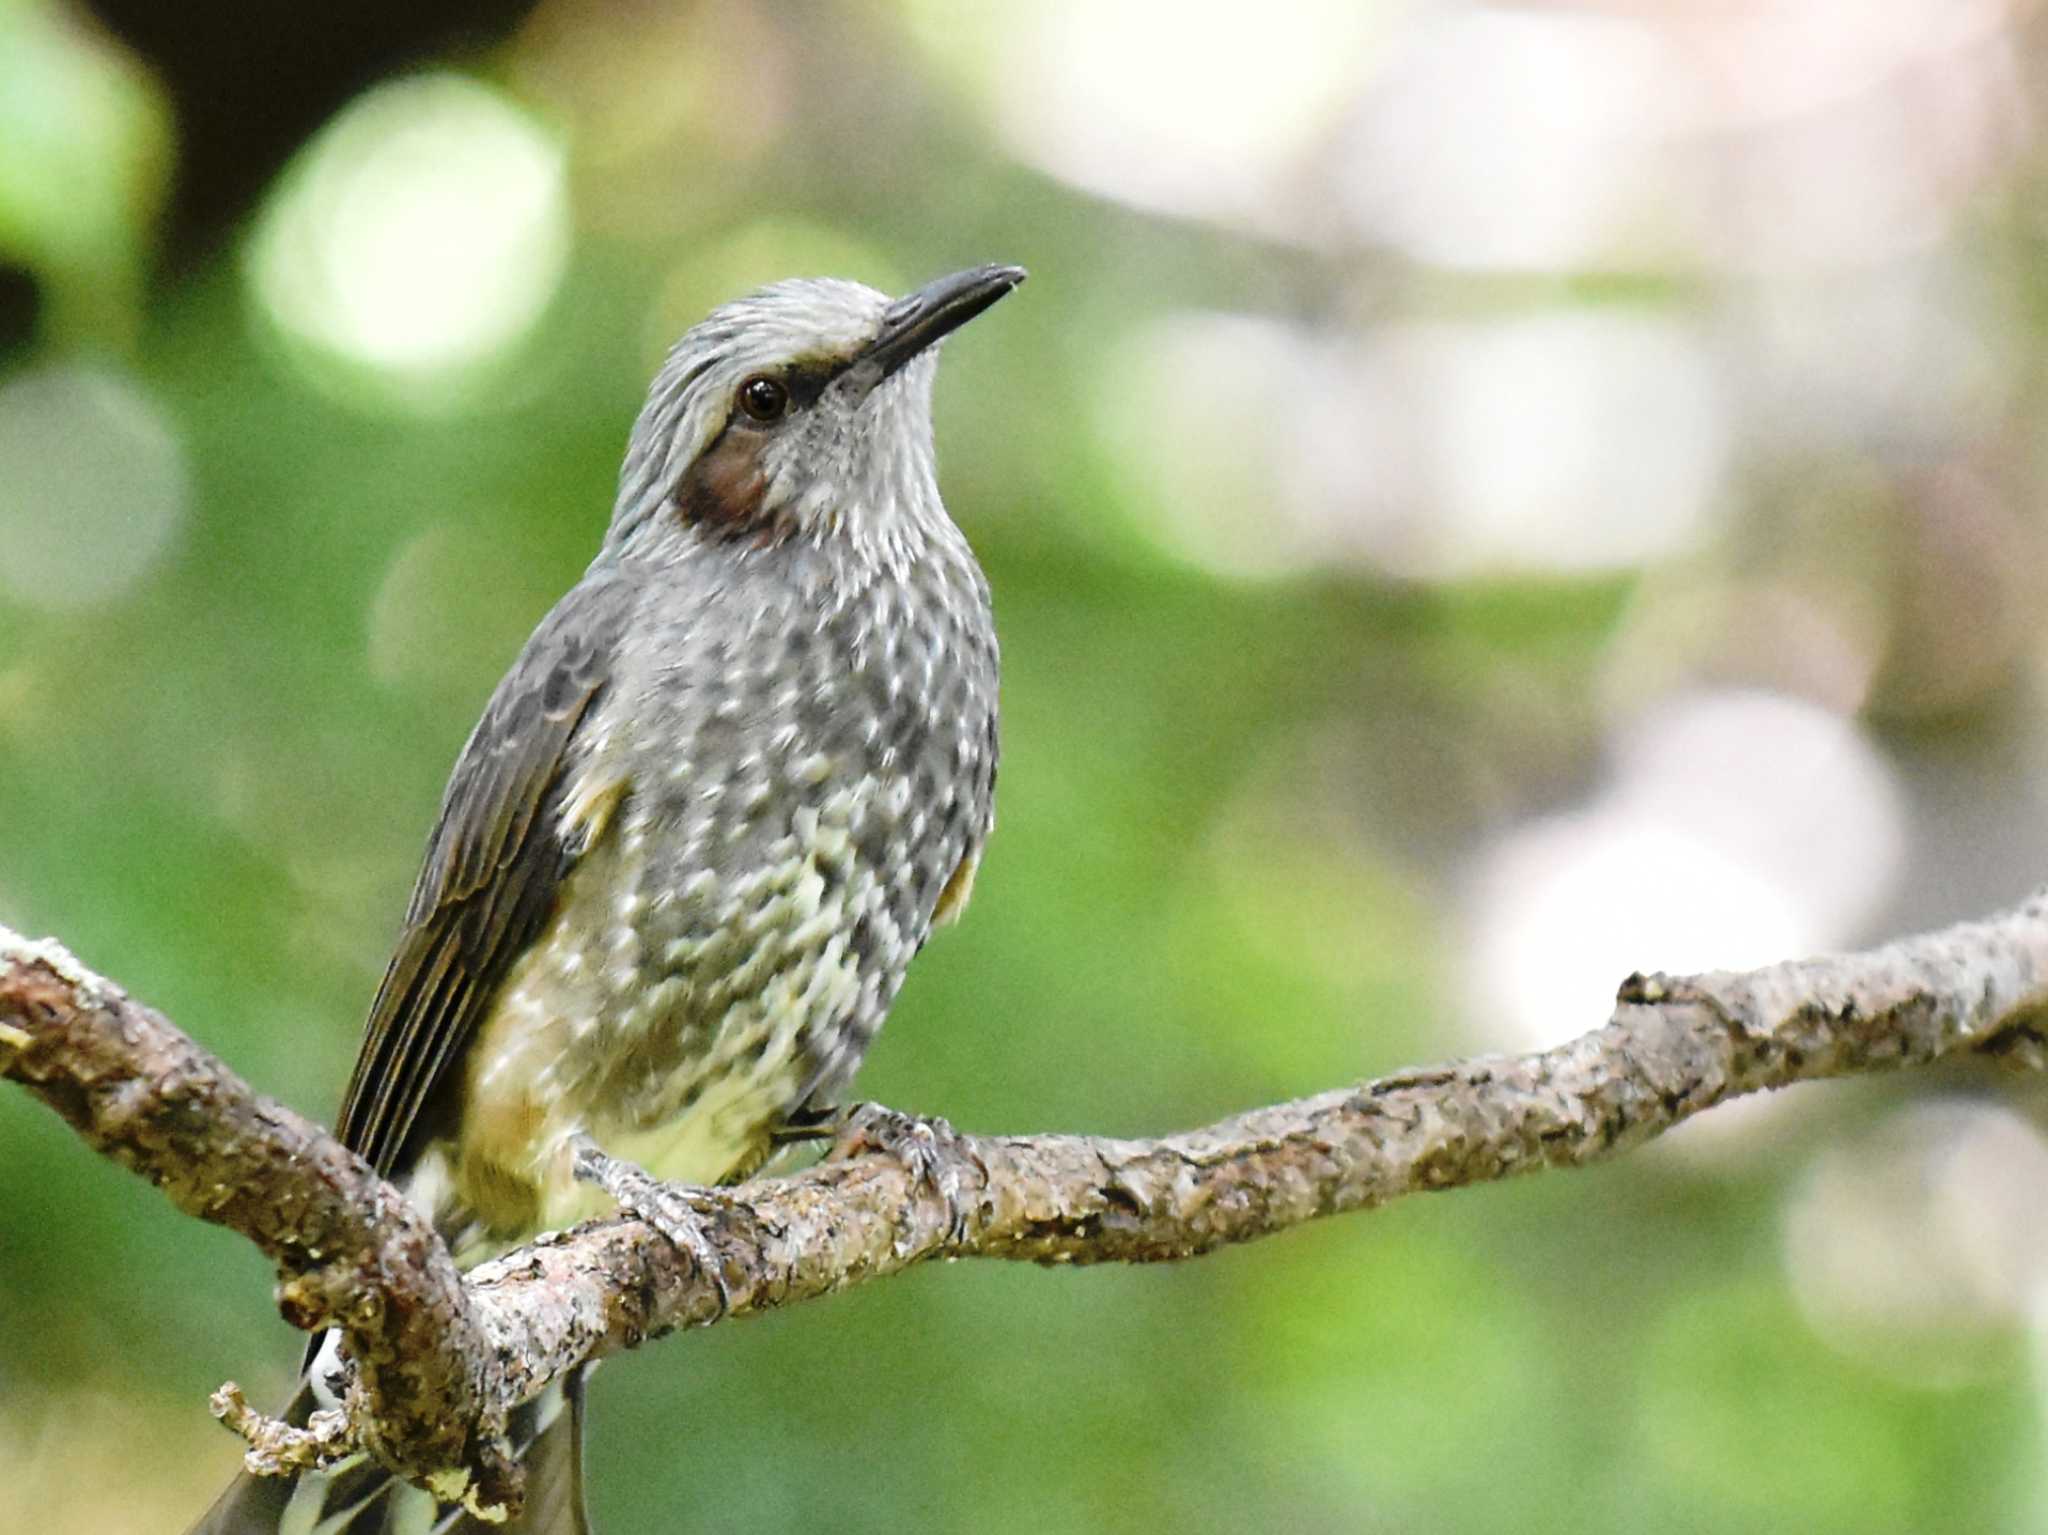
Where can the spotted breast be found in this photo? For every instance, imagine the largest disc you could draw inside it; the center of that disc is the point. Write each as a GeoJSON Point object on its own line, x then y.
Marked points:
{"type": "Point", "coordinates": [776, 803]}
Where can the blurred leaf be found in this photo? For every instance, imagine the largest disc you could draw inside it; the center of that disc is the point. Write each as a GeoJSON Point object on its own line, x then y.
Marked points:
{"type": "Point", "coordinates": [85, 150]}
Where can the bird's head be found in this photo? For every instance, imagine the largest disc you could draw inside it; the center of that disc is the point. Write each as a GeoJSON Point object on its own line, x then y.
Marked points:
{"type": "Point", "coordinates": [802, 411]}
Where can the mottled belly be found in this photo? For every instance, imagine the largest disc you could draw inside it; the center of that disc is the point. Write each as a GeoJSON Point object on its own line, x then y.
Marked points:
{"type": "Point", "coordinates": [677, 1008]}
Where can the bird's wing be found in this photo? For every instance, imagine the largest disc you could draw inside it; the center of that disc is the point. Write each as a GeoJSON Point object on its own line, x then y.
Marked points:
{"type": "Point", "coordinates": [494, 864]}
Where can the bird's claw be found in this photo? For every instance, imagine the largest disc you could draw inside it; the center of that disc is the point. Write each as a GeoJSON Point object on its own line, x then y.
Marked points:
{"type": "Point", "coordinates": [677, 1210]}
{"type": "Point", "coordinates": [935, 1154]}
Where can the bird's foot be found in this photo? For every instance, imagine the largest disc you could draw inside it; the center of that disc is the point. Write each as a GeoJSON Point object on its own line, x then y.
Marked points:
{"type": "Point", "coordinates": [936, 1154]}
{"type": "Point", "coordinates": [678, 1211]}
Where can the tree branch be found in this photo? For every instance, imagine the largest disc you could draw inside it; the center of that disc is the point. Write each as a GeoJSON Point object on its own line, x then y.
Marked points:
{"type": "Point", "coordinates": [439, 1358]}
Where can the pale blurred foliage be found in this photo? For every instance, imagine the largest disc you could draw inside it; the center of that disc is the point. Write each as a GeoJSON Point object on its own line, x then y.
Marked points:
{"type": "Point", "coordinates": [90, 452]}
{"type": "Point", "coordinates": [60, 1480]}
{"type": "Point", "coordinates": [1946, 1195]}
{"type": "Point", "coordinates": [1481, 498]}
{"type": "Point", "coordinates": [422, 234]}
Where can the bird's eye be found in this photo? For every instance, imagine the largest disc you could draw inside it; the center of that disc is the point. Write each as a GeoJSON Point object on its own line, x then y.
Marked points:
{"type": "Point", "coordinates": [763, 398]}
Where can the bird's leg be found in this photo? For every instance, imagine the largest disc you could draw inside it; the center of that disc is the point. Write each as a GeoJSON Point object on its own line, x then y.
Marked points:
{"type": "Point", "coordinates": [809, 1122]}
{"type": "Point", "coordinates": [931, 1149]}
{"type": "Point", "coordinates": [676, 1210]}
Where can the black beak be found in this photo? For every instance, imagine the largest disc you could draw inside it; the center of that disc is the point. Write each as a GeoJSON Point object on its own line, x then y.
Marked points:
{"type": "Point", "coordinates": [921, 319]}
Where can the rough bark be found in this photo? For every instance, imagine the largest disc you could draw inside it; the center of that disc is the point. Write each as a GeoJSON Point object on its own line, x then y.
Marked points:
{"type": "Point", "coordinates": [440, 1357]}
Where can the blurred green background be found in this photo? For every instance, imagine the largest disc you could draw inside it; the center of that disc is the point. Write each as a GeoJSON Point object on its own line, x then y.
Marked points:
{"type": "Point", "coordinates": [1479, 500]}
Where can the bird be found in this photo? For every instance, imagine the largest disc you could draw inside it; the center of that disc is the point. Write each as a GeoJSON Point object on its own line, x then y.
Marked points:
{"type": "Point", "coordinates": [732, 782]}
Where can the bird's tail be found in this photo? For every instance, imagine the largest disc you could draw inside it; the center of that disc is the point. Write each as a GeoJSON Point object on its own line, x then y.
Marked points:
{"type": "Point", "coordinates": [359, 1498]}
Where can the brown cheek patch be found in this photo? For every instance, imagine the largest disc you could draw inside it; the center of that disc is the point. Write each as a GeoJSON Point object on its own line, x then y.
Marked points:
{"type": "Point", "coordinates": [725, 485]}
{"type": "Point", "coordinates": [724, 488]}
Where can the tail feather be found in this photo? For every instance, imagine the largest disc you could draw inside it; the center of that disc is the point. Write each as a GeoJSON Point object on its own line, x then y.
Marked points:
{"type": "Point", "coordinates": [359, 1498]}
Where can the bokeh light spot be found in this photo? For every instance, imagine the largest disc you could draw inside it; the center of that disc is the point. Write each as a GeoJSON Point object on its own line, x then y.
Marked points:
{"type": "Point", "coordinates": [1183, 402]}
{"type": "Point", "coordinates": [1513, 138]}
{"type": "Point", "coordinates": [1571, 440]}
{"type": "Point", "coordinates": [1919, 1249]}
{"type": "Point", "coordinates": [1578, 440]}
{"type": "Point", "coordinates": [1188, 109]}
{"type": "Point", "coordinates": [93, 489]}
{"type": "Point", "coordinates": [1738, 828]}
{"type": "Point", "coordinates": [422, 232]}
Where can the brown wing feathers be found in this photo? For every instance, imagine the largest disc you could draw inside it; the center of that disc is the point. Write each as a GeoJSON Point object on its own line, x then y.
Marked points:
{"type": "Point", "coordinates": [491, 873]}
